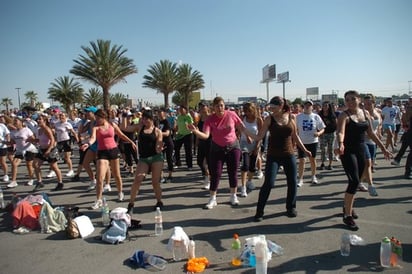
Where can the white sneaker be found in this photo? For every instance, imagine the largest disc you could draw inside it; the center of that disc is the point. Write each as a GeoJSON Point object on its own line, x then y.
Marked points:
{"type": "Point", "coordinates": [259, 174]}
{"type": "Point", "coordinates": [206, 183]}
{"type": "Point", "coordinates": [121, 197]}
{"type": "Point", "coordinates": [211, 204]}
{"type": "Point", "coordinates": [243, 192]}
{"type": "Point", "coordinates": [12, 184]}
{"type": "Point", "coordinates": [233, 200]}
{"type": "Point", "coordinates": [107, 188]}
{"type": "Point", "coordinates": [70, 173]}
{"type": "Point", "coordinates": [300, 183]}
{"type": "Point", "coordinates": [314, 180]}
{"type": "Point", "coordinates": [51, 174]}
{"type": "Point", "coordinates": [97, 204]}
{"type": "Point", "coordinates": [30, 183]}
{"type": "Point", "coordinates": [6, 178]}
{"type": "Point", "coordinates": [250, 185]}
{"type": "Point", "coordinates": [92, 185]}
{"type": "Point", "coordinates": [362, 187]}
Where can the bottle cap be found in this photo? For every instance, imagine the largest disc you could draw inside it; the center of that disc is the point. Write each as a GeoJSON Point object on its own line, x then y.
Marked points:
{"type": "Point", "coordinates": [386, 240]}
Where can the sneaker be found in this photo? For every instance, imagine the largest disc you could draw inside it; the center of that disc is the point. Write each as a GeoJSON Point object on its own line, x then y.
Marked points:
{"type": "Point", "coordinates": [315, 180]}
{"type": "Point", "coordinates": [97, 204]}
{"type": "Point", "coordinates": [158, 205]}
{"type": "Point", "coordinates": [12, 184]}
{"type": "Point", "coordinates": [291, 213]}
{"type": "Point", "coordinates": [6, 178]}
{"type": "Point", "coordinates": [258, 217]}
{"type": "Point", "coordinates": [30, 182]}
{"type": "Point", "coordinates": [121, 196]}
{"type": "Point", "coordinates": [329, 167]}
{"type": "Point", "coordinates": [259, 174]}
{"type": "Point", "coordinates": [59, 187]}
{"type": "Point", "coordinates": [189, 168]}
{"type": "Point", "coordinates": [92, 185]}
{"type": "Point", "coordinates": [162, 180]}
{"type": "Point", "coordinates": [395, 163]}
{"type": "Point", "coordinates": [21, 230]}
{"type": "Point", "coordinates": [206, 183]}
{"type": "Point", "coordinates": [168, 180]}
{"type": "Point", "coordinates": [76, 178]}
{"type": "Point", "coordinates": [350, 222]}
{"type": "Point", "coordinates": [70, 173]}
{"type": "Point", "coordinates": [362, 187]}
{"type": "Point", "coordinates": [51, 174]}
{"type": "Point", "coordinates": [372, 191]}
{"type": "Point", "coordinates": [250, 185]}
{"type": "Point", "coordinates": [322, 166]}
{"type": "Point", "coordinates": [107, 188]}
{"type": "Point", "coordinates": [38, 186]}
{"type": "Point", "coordinates": [211, 204]}
{"type": "Point", "coordinates": [130, 208]}
{"type": "Point", "coordinates": [300, 183]}
{"type": "Point", "coordinates": [243, 191]}
{"type": "Point", "coordinates": [354, 215]}
{"type": "Point", "coordinates": [233, 200]}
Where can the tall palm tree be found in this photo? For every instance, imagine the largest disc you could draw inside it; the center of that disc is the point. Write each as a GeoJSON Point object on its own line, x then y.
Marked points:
{"type": "Point", "coordinates": [93, 98]}
{"type": "Point", "coordinates": [118, 99]}
{"type": "Point", "coordinates": [188, 82]}
{"type": "Point", "coordinates": [104, 65]}
{"type": "Point", "coordinates": [32, 97]}
{"type": "Point", "coordinates": [6, 102]}
{"type": "Point", "coordinates": [66, 91]}
{"type": "Point", "coordinates": [163, 78]}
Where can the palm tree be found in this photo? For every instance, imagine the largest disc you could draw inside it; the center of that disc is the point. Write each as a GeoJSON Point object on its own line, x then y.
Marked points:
{"type": "Point", "coordinates": [6, 102]}
{"type": "Point", "coordinates": [163, 78]}
{"type": "Point", "coordinates": [93, 98]}
{"type": "Point", "coordinates": [66, 91]}
{"type": "Point", "coordinates": [32, 97]}
{"type": "Point", "coordinates": [188, 82]}
{"type": "Point", "coordinates": [118, 99]}
{"type": "Point", "coordinates": [104, 66]}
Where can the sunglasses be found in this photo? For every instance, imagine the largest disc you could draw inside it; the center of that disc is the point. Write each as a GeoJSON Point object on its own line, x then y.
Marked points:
{"type": "Point", "coordinates": [348, 99]}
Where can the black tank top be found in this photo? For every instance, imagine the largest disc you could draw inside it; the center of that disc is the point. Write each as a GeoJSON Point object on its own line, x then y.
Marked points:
{"type": "Point", "coordinates": [355, 135]}
{"type": "Point", "coordinates": [147, 143]}
{"type": "Point", "coordinates": [280, 139]}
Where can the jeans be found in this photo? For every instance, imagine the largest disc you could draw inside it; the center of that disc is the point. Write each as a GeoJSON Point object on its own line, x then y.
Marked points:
{"type": "Point", "coordinates": [271, 171]}
{"type": "Point", "coordinates": [217, 159]}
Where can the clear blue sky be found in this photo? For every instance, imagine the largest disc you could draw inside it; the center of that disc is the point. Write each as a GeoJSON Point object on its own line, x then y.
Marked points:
{"type": "Point", "coordinates": [331, 44]}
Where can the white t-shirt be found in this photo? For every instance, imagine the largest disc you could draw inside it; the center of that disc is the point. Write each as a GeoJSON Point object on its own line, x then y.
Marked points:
{"type": "Point", "coordinates": [308, 125]}
{"type": "Point", "coordinates": [4, 131]}
{"type": "Point", "coordinates": [63, 131]}
{"type": "Point", "coordinates": [20, 138]}
{"type": "Point", "coordinates": [389, 115]}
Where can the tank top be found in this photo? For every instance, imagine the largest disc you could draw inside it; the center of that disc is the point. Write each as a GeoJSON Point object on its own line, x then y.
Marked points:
{"type": "Point", "coordinates": [105, 138]}
{"type": "Point", "coordinates": [44, 140]}
{"type": "Point", "coordinates": [280, 139]}
{"type": "Point", "coordinates": [355, 135]}
{"type": "Point", "coordinates": [375, 123]}
{"type": "Point", "coordinates": [147, 143]}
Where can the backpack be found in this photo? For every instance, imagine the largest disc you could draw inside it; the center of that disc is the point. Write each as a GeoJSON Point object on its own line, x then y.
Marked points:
{"type": "Point", "coordinates": [117, 232]}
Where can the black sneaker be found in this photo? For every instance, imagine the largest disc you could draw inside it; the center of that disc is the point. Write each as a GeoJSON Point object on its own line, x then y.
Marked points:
{"type": "Point", "coordinates": [168, 180]}
{"type": "Point", "coordinates": [158, 204]}
{"type": "Point", "coordinates": [322, 167]}
{"type": "Point", "coordinates": [130, 208]}
{"type": "Point", "coordinates": [38, 186]}
{"type": "Point", "coordinates": [291, 213]}
{"type": "Point", "coordinates": [350, 222]}
{"type": "Point", "coordinates": [258, 218]}
{"type": "Point", "coordinates": [59, 187]}
{"type": "Point", "coordinates": [75, 178]}
{"type": "Point", "coordinates": [354, 215]}
{"type": "Point", "coordinates": [329, 167]}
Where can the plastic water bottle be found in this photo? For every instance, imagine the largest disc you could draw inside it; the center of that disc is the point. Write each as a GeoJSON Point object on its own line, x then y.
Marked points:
{"type": "Point", "coordinates": [2, 204]}
{"type": "Point", "coordinates": [158, 222]}
{"type": "Point", "coordinates": [191, 249]}
{"type": "Point", "coordinates": [261, 253]}
{"type": "Point", "coordinates": [105, 213]}
{"type": "Point", "coordinates": [386, 251]}
{"type": "Point", "coordinates": [179, 250]}
{"type": "Point", "coordinates": [236, 245]}
{"type": "Point", "coordinates": [252, 258]}
{"type": "Point", "coordinates": [275, 248]}
{"type": "Point", "coordinates": [44, 222]}
{"type": "Point", "coordinates": [396, 254]}
{"type": "Point", "coordinates": [155, 262]}
{"type": "Point", "coordinates": [345, 244]}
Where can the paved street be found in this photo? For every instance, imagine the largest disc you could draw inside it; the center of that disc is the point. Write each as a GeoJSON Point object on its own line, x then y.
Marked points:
{"type": "Point", "coordinates": [311, 241]}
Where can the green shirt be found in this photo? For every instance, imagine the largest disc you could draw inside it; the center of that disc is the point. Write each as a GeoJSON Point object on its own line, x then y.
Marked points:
{"type": "Point", "coordinates": [182, 121]}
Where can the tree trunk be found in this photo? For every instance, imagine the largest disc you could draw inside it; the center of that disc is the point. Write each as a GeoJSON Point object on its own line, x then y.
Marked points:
{"type": "Point", "coordinates": [166, 97]}
{"type": "Point", "coordinates": [106, 99]}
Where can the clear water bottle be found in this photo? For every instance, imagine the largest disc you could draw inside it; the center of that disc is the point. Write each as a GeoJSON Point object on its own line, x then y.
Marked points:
{"type": "Point", "coordinates": [155, 262]}
{"type": "Point", "coordinates": [2, 204]}
{"type": "Point", "coordinates": [158, 222]}
{"type": "Point", "coordinates": [44, 222]}
{"type": "Point", "coordinates": [261, 253]}
{"type": "Point", "coordinates": [386, 251]}
{"type": "Point", "coordinates": [105, 213]}
{"type": "Point", "coordinates": [275, 248]}
{"type": "Point", "coordinates": [192, 249]}
{"type": "Point", "coordinates": [345, 244]}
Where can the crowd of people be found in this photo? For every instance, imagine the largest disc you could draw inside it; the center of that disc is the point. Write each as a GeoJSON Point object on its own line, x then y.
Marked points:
{"type": "Point", "coordinates": [280, 135]}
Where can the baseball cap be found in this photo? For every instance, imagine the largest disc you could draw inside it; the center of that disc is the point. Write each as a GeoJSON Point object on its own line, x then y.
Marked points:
{"type": "Point", "coordinates": [90, 109]}
{"type": "Point", "coordinates": [308, 102]}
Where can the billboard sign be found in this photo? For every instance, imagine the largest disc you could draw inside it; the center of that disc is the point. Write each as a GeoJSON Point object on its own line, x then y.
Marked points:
{"type": "Point", "coordinates": [268, 73]}
{"type": "Point", "coordinates": [283, 77]}
{"type": "Point", "coordinates": [312, 91]}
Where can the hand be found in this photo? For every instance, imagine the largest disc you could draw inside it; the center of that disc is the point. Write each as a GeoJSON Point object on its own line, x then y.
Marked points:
{"type": "Point", "coordinates": [84, 147]}
{"type": "Point", "coordinates": [308, 153]}
{"type": "Point", "coordinates": [388, 155]}
{"type": "Point", "coordinates": [134, 146]}
{"type": "Point", "coordinates": [191, 127]}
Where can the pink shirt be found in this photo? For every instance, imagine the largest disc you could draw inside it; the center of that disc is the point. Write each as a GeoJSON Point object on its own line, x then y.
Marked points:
{"type": "Point", "coordinates": [222, 128]}
{"type": "Point", "coordinates": [105, 138]}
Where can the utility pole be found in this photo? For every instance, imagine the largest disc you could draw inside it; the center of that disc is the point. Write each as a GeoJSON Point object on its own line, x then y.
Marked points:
{"type": "Point", "coordinates": [410, 92]}
{"type": "Point", "coordinates": [18, 95]}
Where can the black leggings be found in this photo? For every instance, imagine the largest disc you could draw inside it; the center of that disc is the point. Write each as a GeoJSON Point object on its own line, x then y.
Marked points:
{"type": "Point", "coordinates": [353, 163]}
{"type": "Point", "coordinates": [130, 154]}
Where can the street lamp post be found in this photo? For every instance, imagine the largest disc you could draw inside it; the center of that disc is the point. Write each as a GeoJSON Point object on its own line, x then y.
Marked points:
{"type": "Point", "coordinates": [18, 95]}
{"type": "Point", "coordinates": [409, 82]}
